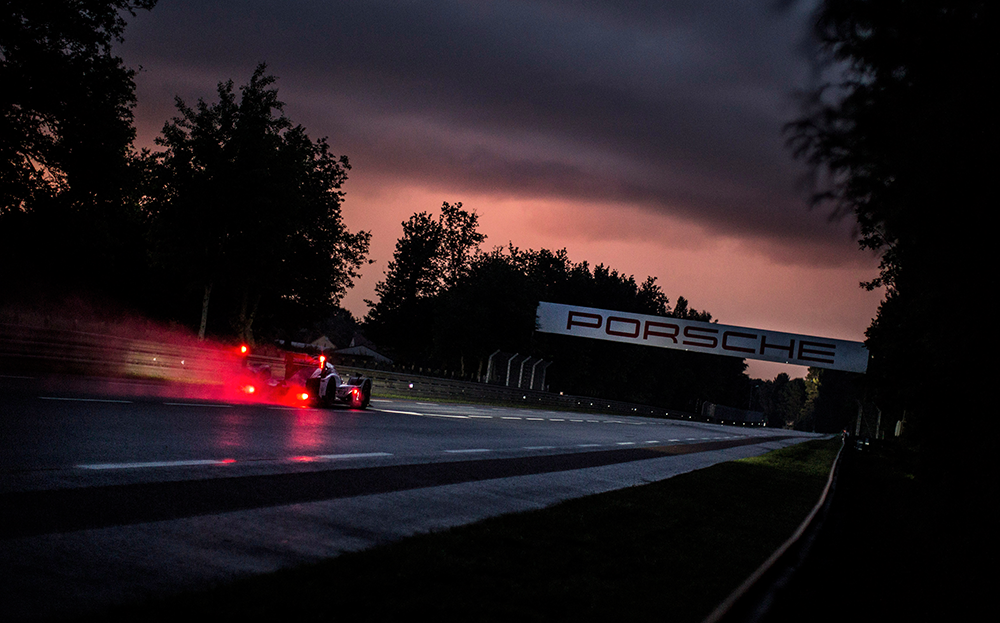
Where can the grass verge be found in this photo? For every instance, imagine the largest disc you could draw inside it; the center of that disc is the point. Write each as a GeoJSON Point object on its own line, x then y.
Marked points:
{"type": "Point", "coordinates": [671, 550]}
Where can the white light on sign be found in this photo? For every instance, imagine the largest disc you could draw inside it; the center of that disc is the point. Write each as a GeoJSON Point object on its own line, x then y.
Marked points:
{"type": "Point", "coordinates": [702, 337]}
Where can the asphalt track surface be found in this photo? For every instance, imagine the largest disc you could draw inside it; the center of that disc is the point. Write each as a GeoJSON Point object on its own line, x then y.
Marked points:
{"type": "Point", "coordinates": [107, 499]}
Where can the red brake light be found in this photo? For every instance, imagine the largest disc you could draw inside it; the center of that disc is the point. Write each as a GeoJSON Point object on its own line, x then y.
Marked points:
{"type": "Point", "coordinates": [244, 349]}
{"type": "Point", "coordinates": [304, 396]}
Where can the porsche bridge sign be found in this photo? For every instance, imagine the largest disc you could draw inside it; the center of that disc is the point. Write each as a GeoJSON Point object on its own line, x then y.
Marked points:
{"type": "Point", "coordinates": [702, 337]}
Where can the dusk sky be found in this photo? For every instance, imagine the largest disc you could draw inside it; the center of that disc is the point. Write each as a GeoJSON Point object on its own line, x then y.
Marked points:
{"type": "Point", "coordinates": [644, 135]}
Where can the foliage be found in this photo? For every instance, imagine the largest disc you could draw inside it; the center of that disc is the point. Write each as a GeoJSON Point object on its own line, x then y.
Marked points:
{"type": "Point", "coordinates": [904, 141]}
{"type": "Point", "coordinates": [249, 203]}
{"type": "Point", "coordinates": [456, 323]}
{"type": "Point", "coordinates": [66, 167]}
{"type": "Point", "coordinates": [66, 108]}
{"type": "Point", "coordinates": [432, 255]}
{"type": "Point", "coordinates": [783, 400]}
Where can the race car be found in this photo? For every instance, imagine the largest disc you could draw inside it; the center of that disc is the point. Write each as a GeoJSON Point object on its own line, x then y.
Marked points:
{"type": "Point", "coordinates": [311, 381]}
{"type": "Point", "coordinates": [327, 388]}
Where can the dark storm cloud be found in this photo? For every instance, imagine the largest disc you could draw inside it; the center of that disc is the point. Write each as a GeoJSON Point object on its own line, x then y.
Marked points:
{"type": "Point", "coordinates": [674, 106]}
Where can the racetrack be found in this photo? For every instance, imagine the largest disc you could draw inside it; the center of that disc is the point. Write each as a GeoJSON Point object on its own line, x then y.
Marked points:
{"type": "Point", "coordinates": [106, 499]}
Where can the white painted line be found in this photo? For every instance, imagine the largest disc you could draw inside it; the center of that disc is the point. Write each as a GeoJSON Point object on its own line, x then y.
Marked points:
{"type": "Point", "coordinates": [626, 443]}
{"type": "Point", "coordinates": [652, 441]}
{"type": "Point", "coordinates": [576, 420]}
{"type": "Point", "coordinates": [535, 419]}
{"type": "Point", "coordinates": [457, 417]}
{"type": "Point", "coordinates": [588, 445]}
{"type": "Point", "coordinates": [197, 404]}
{"type": "Point", "coordinates": [509, 417]}
{"type": "Point", "coordinates": [380, 400]}
{"type": "Point", "coordinates": [360, 455]}
{"type": "Point", "coordinates": [400, 412]}
{"type": "Point", "coordinates": [539, 447]}
{"type": "Point", "coordinates": [556, 419]}
{"type": "Point", "coordinates": [482, 417]}
{"type": "Point", "coordinates": [156, 464]}
{"type": "Point", "coordinates": [125, 402]}
{"type": "Point", "coordinates": [469, 451]}
{"type": "Point", "coordinates": [427, 404]}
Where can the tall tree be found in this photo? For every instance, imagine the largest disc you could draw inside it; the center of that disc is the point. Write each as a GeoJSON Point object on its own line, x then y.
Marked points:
{"type": "Point", "coordinates": [66, 105]}
{"type": "Point", "coordinates": [904, 141]}
{"type": "Point", "coordinates": [459, 242]}
{"type": "Point", "coordinates": [66, 131]}
{"type": "Point", "coordinates": [432, 255]}
{"type": "Point", "coordinates": [251, 205]}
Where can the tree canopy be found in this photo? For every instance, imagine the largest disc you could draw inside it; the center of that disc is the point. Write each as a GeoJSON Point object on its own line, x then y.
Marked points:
{"type": "Point", "coordinates": [241, 209]}
{"type": "Point", "coordinates": [454, 319]}
{"type": "Point", "coordinates": [246, 201]}
{"type": "Point", "coordinates": [67, 178]}
{"type": "Point", "coordinates": [66, 107]}
{"type": "Point", "coordinates": [902, 139]}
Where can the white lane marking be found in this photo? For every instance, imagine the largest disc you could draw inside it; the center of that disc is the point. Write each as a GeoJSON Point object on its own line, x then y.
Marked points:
{"type": "Point", "coordinates": [15, 376]}
{"type": "Point", "coordinates": [509, 417]}
{"type": "Point", "coordinates": [482, 417]}
{"type": "Point", "coordinates": [626, 443]}
{"type": "Point", "coordinates": [468, 451]}
{"type": "Point", "coordinates": [156, 464]}
{"type": "Point", "coordinates": [535, 419]}
{"type": "Point", "coordinates": [380, 400]}
{"type": "Point", "coordinates": [588, 445]}
{"type": "Point", "coordinates": [457, 417]}
{"type": "Point", "coordinates": [556, 419]}
{"type": "Point", "coordinates": [399, 412]}
{"type": "Point", "coordinates": [197, 404]}
{"type": "Point", "coordinates": [427, 404]}
{"type": "Point", "coordinates": [360, 455]}
{"type": "Point", "coordinates": [576, 420]}
{"type": "Point", "coordinates": [652, 441]}
{"type": "Point", "coordinates": [539, 447]}
{"type": "Point", "coordinates": [125, 402]}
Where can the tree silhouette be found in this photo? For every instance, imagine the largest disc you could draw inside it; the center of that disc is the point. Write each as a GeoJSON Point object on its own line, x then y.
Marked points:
{"type": "Point", "coordinates": [66, 167]}
{"type": "Point", "coordinates": [431, 255]}
{"type": "Point", "coordinates": [904, 141]}
{"type": "Point", "coordinates": [250, 204]}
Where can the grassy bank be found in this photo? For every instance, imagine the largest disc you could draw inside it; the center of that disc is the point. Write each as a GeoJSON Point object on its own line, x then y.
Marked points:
{"type": "Point", "coordinates": [671, 550]}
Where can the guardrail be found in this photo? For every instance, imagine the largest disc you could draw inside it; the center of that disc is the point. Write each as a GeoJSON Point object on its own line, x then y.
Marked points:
{"type": "Point", "coordinates": [753, 599]}
{"type": "Point", "coordinates": [54, 350]}
{"type": "Point", "coordinates": [138, 354]}
{"type": "Point", "coordinates": [417, 386]}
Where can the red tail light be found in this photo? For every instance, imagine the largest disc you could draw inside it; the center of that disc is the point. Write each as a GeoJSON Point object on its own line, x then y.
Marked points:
{"type": "Point", "coordinates": [244, 349]}
{"type": "Point", "coordinates": [303, 396]}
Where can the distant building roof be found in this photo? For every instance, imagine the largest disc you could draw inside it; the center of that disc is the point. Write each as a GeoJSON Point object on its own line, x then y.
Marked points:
{"type": "Point", "coordinates": [364, 351]}
{"type": "Point", "coordinates": [323, 343]}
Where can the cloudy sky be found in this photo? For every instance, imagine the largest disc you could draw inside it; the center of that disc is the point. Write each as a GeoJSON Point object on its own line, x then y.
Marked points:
{"type": "Point", "coordinates": [643, 135]}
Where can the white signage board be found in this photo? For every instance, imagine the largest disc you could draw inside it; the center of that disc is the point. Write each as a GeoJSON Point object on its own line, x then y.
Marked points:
{"type": "Point", "coordinates": [702, 337]}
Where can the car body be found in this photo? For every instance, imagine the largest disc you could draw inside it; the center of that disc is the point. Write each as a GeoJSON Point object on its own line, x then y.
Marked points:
{"type": "Point", "coordinates": [327, 387]}
{"type": "Point", "coordinates": [309, 381]}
